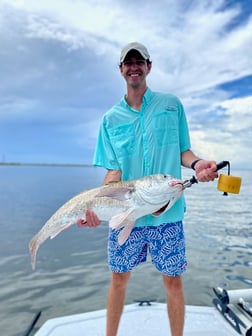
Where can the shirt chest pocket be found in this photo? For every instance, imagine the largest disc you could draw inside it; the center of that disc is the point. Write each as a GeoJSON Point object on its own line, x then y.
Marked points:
{"type": "Point", "coordinates": [165, 128]}
{"type": "Point", "coordinates": [123, 138]}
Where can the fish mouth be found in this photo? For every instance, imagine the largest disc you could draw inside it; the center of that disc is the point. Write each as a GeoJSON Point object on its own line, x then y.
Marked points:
{"type": "Point", "coordinates": [161, 210]}
{"type": "Point", "coordinates": [176, 183]}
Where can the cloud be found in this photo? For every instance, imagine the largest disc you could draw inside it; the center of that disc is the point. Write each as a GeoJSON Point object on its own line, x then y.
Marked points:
{"type": "Point", "coordinates": [226, 136]}
{"type": "Point", "coordinates": [239, 108]}
{"type": "Point", "coordinates": [58, 63]}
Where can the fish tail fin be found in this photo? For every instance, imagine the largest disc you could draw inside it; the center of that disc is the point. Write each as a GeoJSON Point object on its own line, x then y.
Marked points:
{"type": "Point", "coordinates": [33, 247]}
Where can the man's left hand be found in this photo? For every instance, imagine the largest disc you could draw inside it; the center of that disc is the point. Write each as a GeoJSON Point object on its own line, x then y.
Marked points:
{"type": "Point", "coordinates": [206, 170]}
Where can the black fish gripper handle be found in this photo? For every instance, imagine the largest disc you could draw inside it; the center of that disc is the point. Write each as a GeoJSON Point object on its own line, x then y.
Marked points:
{"type": "Point", "coordinates": [222, 164]}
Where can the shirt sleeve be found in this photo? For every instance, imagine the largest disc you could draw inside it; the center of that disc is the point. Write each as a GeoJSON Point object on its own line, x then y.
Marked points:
{"type": "Point", "coordinates": [184, 137]}
{"type": "Point", "coordinates": [104, 155]}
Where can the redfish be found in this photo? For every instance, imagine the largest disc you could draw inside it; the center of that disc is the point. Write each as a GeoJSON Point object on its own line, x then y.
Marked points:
{"type": "Point", "coordinates": [119, 203]}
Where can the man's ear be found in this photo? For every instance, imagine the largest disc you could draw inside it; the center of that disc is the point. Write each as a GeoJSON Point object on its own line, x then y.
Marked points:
{"type": "Point", "coordinates": [149, 66]}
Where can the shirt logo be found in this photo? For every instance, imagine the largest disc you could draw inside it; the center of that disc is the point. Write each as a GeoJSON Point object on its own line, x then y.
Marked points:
{"type": "Point", "coordinates": [171, 108]}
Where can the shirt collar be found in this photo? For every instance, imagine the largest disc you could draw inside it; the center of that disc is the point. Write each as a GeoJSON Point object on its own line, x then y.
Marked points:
{"type": "Point", "coordinates": [146, 98]}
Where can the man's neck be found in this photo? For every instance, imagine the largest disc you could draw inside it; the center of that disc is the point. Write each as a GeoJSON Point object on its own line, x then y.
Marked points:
{"type": "Point", "coordinates": [134, 97]}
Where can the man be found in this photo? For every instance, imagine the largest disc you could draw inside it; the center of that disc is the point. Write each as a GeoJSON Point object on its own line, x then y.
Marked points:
{"type": "Point", "coordinates": [146, 133]}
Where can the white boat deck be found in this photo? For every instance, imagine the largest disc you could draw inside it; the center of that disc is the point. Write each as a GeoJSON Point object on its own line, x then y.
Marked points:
{"type": "Point", "coordinates": [140, 320]}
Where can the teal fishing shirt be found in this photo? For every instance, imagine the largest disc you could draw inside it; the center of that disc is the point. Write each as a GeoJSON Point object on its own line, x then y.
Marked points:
{"type": "Point", "coordinates": [145, 142]}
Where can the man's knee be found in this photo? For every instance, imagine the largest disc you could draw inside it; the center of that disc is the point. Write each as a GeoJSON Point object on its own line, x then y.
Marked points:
{"type": "Point", "coordinates": [120, 280]}
{"type": "Point", "coordinates": [173, 284]}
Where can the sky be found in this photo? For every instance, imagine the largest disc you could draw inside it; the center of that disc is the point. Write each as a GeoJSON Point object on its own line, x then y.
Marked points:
{"type": "Point", "coordinates": [59, 73]}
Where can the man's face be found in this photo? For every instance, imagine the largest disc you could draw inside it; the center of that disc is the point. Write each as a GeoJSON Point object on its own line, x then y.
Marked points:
{"type": "Point", "coordinates": [134, 69]}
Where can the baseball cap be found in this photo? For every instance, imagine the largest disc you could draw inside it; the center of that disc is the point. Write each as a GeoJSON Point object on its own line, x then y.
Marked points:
{"type": "Point", "coordinates": [134, 46]}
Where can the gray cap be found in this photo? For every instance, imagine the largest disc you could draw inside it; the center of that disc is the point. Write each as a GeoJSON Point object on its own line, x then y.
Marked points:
{"type": "Point", "coordinates": [134, 46]}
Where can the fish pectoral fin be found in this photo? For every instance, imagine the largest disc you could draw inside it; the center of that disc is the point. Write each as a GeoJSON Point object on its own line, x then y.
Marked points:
{"type": "Point", "coordinates": [120, 220]}
{"type": "Point", "coordinates": [124, 234]}
{"type": "Point", "coordinates": [119, 193]}
{"type": "Point", "coordinates": [60, 229]}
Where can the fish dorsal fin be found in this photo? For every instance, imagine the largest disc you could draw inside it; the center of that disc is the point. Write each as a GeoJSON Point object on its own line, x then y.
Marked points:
{"type": "Point", "coordinates": [119, 193]}
{"type": "Point", "coordinates": [120, 220]}
{"type": "Point", "coordinates": [124, 234]}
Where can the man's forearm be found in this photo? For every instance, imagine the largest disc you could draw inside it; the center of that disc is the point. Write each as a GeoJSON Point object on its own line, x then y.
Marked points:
{"type": "Point", "coordinates": [187, 158]}
{"type": "Point", "coordinates": [112, 176]}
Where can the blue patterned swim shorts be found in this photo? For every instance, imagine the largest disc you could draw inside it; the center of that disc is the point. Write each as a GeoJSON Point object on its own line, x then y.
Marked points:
{"type": "Point", "coordinates": [165, 243]}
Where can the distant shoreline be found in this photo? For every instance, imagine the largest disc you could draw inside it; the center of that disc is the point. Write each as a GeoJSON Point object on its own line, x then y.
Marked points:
{"type": "Point", "coordinates": [84, 165]}
{"type": "Point", "coordinates": [45, 164]}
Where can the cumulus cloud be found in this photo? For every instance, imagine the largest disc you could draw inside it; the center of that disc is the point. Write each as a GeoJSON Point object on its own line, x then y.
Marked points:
{"type": "Point", "coordinates": [227, 137]}
{"type": "Point", "coordinates": [58, 63]}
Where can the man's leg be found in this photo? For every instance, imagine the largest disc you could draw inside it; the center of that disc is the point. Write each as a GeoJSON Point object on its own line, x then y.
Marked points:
{"type": "Point", "coordinates": [175, 303]}
{"type": "Point", "coordinates": [115, 303]}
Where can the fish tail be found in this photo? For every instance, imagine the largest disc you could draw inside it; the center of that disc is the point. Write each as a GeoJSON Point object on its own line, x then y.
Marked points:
{"type": "Point", "coordinates": [33, 247]}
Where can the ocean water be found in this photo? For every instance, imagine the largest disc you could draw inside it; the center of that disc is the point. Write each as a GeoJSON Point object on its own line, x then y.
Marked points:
{"type": "Point", "coordinates": [72, 275]}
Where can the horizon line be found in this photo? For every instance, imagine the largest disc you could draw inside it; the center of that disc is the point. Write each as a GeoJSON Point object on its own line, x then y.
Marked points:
{"type": "Point", "coordinates": [46, 164]}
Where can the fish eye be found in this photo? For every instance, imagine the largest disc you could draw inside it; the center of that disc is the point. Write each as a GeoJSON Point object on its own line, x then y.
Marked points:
{"type": "Point", "coordinates": [165, 176]}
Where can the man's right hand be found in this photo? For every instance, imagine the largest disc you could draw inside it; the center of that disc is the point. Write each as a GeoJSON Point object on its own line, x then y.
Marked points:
{"type": "Point", "coordinates": [91, 220]}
